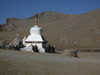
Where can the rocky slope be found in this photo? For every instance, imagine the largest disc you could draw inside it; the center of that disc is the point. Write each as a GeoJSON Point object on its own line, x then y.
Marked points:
{"type": "Point", "coordinates": [61, 30]}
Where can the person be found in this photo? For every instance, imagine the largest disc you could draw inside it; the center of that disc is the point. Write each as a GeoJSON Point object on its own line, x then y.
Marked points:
{"type": "Point", "coordinates": [33, 48]}
{"type": "Point", "coordinates": [36, 48]}
{"type": "Point", "coordinates": [53, 49]}
{"type": "Point", "coordinates": [49, 48]}
{"type": "Point", "coordinates": [75, 54]}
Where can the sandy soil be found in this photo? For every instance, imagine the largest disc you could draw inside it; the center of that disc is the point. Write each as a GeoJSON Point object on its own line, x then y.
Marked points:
{"type": "Point", "coordinates": [29, 63]}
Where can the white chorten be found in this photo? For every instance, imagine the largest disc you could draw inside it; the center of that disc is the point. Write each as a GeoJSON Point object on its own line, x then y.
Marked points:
{"type": "Point", "coordinates": [35, 38]}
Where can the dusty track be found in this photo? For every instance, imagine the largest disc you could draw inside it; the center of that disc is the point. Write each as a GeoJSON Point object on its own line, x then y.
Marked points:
{"type": "Point", "coordinates": [28, 63]}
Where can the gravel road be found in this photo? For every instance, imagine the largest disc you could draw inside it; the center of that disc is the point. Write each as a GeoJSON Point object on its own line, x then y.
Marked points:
{"type": "Point", "coordinates": [29, 63]}
{"type": "Point", "coordinates": [58, 57]}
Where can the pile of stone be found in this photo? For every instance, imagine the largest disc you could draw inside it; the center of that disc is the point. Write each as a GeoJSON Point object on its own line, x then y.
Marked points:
{"type": "Point", "coordinates": [70, 52]}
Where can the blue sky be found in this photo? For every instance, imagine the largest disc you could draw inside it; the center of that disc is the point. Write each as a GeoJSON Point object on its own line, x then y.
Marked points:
{"type": "Point", "coordinates": [27, 8]}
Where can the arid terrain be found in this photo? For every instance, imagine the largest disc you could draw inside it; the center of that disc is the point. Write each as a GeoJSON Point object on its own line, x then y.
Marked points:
{"type": "Point", "coordinates": [29, 63]}
{"type": "Point", "coordinates": [59, 29]}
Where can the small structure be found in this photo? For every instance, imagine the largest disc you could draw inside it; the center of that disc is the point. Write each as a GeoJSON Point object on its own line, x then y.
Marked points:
{"type": "Point", "coordinates": [35, 39]}
{"type": "Point", "coordinates": [16, 43]}
{"type": "Point", "coordinates": [69, 52]}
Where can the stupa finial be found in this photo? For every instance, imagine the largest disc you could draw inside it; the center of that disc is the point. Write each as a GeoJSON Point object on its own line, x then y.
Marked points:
{"type": "Point", "coordinates": [36, 19]}
{"type": "Point", "coordinates": [25, 35]}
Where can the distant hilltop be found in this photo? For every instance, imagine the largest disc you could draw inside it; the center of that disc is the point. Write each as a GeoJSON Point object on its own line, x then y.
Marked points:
{"type": "Point", "coordinates": [43, 14]}
{"type": "Point", "coordinates": [10, 21]}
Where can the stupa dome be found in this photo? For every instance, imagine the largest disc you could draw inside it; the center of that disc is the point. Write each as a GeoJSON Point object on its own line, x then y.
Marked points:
{"type": "Point", "coordinates": [36, 30]}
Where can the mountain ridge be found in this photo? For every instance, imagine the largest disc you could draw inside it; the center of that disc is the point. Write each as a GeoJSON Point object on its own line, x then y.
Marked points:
{"type": "Point", "coordinates": [62, 30]}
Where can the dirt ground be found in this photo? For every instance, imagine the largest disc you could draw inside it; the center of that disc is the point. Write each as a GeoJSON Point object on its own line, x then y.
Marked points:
{"type": "Point", "coordinates": [30, 63]}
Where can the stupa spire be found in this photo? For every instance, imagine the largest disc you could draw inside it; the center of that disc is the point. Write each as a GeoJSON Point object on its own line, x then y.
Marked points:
{"type": "Point", "coordinates": [36, 19]}
{"type": "Point", "coordinates": [25, 35]}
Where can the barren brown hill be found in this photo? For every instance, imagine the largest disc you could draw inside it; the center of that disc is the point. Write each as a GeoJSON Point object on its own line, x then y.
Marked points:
{"type": "Point", "coordinates": [61, 30]}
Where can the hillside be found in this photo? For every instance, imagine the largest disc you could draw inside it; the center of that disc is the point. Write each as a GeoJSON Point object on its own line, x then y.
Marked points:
{"type": "Point", "coordinates": [61, 30]}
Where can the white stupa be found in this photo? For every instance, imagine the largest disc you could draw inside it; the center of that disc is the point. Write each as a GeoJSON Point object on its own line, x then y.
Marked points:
{"type": "Point", "coordinates": [35, 38]}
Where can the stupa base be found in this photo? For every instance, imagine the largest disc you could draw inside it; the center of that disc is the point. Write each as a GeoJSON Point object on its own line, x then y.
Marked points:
{"type": "Point", "coordinates": [30, 48]}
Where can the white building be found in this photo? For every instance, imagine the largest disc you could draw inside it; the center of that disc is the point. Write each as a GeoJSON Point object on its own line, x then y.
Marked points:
{"type": "Point", "coordinates": [35, 38]}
